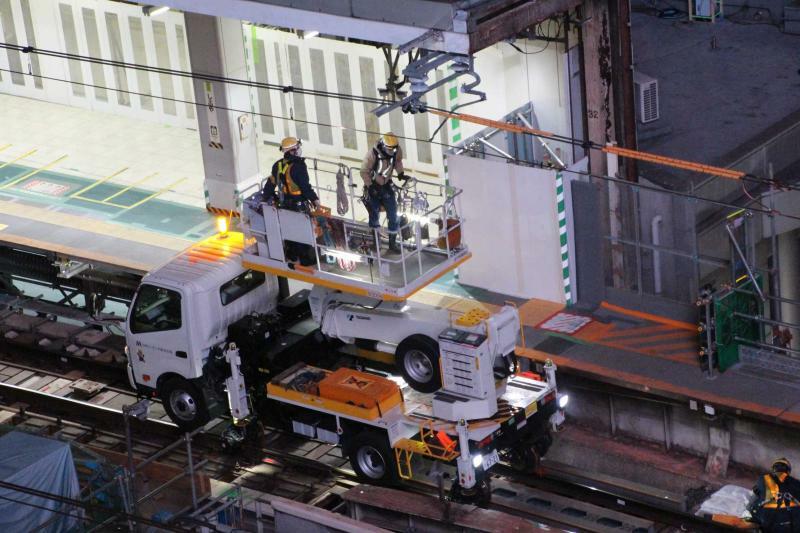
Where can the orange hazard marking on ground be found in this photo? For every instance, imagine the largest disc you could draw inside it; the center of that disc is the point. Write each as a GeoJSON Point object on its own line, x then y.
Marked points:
{"type": "Point", "coordinates": [534, 312]}
{"type": "Point", "coordinates": [687, 358]}
{"type": "Point", "coordinates": [621, 335]}
{"type": "Point", "coordinates": [647, 384]}
{"type": "Point", "coordinates": [656, 337]}
{"type": "Point", "coordinates": [653, 351]}
{"type": "Point", "coordinates": [673, 336]}
{"type": "Point", "coordinates": [594, 331]}
{"type": "Point", "coordinates": [677, 324]}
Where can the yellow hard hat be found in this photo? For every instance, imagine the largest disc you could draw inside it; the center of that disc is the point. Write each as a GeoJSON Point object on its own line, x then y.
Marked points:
{"type": "Point", "coordinates": [389, 140]}
{"type": "Point", "coordinates": [289, 143]}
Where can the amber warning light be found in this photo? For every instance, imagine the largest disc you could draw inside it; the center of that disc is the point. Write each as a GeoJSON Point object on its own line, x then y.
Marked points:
{"type": "Point", "coordinates": [222, 226]}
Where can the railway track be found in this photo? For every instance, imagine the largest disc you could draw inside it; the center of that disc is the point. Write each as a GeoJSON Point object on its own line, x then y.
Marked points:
{"type": "Point", "coordinates": [282, 463]}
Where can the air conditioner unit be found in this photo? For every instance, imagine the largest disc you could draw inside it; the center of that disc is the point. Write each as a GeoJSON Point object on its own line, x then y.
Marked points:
{"type": "Point", "coordinates": [646, 97]}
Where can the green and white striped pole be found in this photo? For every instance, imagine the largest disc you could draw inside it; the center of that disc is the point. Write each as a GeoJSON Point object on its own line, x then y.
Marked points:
{"type": "Point", "coordinates": [561, 206]}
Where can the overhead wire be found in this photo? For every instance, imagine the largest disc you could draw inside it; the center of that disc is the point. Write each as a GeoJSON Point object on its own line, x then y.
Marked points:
{"type": "Point", "coordinates": [328, 94]}
{"type": "Point", "coordinates": [289, 88]}
{"type": "Point", "coordinates": [515, 160]}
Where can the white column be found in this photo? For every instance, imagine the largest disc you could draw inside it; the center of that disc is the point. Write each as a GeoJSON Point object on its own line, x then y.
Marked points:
{"type": "Point", "coordinates": [227, 136]}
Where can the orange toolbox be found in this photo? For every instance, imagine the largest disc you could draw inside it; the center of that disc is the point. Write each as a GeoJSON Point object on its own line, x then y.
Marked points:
{"type": "Point", "coordinates": [360, 389]}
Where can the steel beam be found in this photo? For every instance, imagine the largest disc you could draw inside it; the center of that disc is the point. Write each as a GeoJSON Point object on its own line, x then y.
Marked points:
{"type": "Point", "coordinates": [453, 27]}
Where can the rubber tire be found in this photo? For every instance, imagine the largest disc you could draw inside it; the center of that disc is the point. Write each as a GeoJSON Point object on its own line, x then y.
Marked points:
{"type": "Point", "coordinates": [430, 348]}
{"type": "Point", "coordinates": [379, 443]}
{"type": "Point", "coordinates": [202, 415]}
{"type": "Point", "coordinates": [524, 458]}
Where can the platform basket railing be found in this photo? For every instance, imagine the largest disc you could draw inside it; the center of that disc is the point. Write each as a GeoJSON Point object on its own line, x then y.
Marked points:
{"type": "Point", "coordinates": [426, 205]}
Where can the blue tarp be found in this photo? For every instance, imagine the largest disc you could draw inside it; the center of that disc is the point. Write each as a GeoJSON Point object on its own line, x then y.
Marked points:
{"type": "Point", "coordinates": [41, 464]}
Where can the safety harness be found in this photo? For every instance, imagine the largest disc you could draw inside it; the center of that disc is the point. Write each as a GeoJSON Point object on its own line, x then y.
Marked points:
{"type": "Point", "coordinates": [285, 184]}
{"type": "Point", "coordinates": [774, 497]}
{"type": "Point", "coordinates": [380, 158]}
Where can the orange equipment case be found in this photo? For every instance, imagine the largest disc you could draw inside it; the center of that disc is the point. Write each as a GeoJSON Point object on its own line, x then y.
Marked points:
{"type": "Point", "coordinates": [360, 389]}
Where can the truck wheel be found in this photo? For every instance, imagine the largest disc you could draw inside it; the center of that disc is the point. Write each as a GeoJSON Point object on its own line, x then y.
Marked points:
{"type": "Point", "coordinates": [184, 403]}
{"type": "Point", "coordinates": [372, 458]}
{"type": "Point", "coordinates": [417, 359]}
{"type": "Point", "coordinates": [524, 458]}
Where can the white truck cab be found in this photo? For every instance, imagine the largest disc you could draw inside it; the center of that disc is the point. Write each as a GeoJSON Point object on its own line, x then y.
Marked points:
{"type": "Point", "coordinates": [181, 311]}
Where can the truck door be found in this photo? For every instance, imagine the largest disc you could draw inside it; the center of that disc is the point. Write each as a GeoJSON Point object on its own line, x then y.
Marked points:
{"type": "Point", "coordinates": [157, 335]}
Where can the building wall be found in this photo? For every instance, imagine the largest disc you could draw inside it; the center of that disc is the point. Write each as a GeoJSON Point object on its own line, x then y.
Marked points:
{"type": "Point", "coordinates": [110, 30]}
{"type": "Point", "coordinates": [346, 129]}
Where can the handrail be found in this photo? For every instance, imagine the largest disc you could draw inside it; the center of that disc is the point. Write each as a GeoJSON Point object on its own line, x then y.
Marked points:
{"type": "Point", "coordinates": [417, 204]}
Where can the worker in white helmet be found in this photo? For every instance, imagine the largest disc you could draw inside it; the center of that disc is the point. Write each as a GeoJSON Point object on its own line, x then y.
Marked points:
{"type": "Point", "coordinates": [381, 162]}
{"type": "Point", "coordinates": [289, 183]}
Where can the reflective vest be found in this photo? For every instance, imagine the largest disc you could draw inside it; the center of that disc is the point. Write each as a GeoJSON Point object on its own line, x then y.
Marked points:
{"type": "Point", "coordinates": [774, 498]}
{"type": "Point", "coordinates": [286, 184]}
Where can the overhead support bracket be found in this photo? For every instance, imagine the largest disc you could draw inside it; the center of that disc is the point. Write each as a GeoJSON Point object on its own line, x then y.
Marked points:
{"type": "Point", "coordinates": [69, 268]}
{"type": "Point", "coordinates": [417, 72]}
{"type": "Point", "coordinates": [729, 228]}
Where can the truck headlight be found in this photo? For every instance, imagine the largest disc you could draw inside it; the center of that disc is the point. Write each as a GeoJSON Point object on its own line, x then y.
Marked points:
{"type": "Point", "coordinates": [563, 401]}
{"type": "Point", "coordinates": [477, 460]}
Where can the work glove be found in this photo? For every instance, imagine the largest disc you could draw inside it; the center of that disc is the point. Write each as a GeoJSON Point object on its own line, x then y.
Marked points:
{"type": "Point", "coordinates": [402, 176]}
{"type": "Point", "coordinates": [317, 204]}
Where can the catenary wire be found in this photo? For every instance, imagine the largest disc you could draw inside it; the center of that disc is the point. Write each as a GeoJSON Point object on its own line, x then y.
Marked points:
{"type": "Point", "coordinates": [445, 145]}
{"type": "Point", "coordinates": [299, 90]}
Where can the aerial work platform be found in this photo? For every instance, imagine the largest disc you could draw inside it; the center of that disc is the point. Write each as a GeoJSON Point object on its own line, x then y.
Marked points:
{"type": "Point", "coordinates": [346, 254]}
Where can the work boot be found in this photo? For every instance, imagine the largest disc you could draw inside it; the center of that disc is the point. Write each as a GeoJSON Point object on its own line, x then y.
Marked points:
{"type": "Point", "coordinates": [393, 247]}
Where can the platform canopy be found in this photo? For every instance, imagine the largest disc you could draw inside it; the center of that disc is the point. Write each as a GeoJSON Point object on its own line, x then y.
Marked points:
{"type": "Point", "coordinates": [459, 27]}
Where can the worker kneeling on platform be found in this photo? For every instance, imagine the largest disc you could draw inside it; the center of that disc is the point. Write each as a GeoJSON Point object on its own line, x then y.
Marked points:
{"type": "Point", "coordinates": [289, 187]}
{"type": "Point", "coordinates": [381, 161]}
{"type": "Point", "coordinates": [775, 506]}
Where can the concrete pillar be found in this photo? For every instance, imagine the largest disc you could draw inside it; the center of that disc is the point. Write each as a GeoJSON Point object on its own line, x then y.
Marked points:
{"type": "Point", "coordinates": [227, 136]}
{"type": "Point", "coordinates": [598, 80]}
{"type": "Point", "coordinates": [719, 449]}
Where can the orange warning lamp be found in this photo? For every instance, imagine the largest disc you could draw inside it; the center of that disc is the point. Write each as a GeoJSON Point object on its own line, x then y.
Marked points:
{"type": "Point", "coordinates": [222, 226]}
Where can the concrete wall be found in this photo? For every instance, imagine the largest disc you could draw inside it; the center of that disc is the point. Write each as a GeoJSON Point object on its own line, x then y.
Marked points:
{"type": "Point", "coordinates": [105, 29]}
{"type": "Point", "coordinates": [754, 443]}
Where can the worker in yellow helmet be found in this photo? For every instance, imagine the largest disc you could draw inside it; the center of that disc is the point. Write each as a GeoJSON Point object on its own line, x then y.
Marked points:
{"type": "Point", "coordinates": [289, 187]}
{"type": "Point", "coordinates": [775, 506]}
{"type": "Point", "coordinates": [381, 162]}
{"type": "Point", "coordinates": [289, 183]}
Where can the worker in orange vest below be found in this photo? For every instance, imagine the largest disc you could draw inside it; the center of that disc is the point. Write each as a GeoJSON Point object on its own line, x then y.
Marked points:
{"type": "Point", "coordinates": [289, 187]}
{"type": "Point", "coordinates": [380, 163]}
{"type": "Point", "coordinates": [775, 506]}
{"type": "Point", "coordinates": [289, 183]}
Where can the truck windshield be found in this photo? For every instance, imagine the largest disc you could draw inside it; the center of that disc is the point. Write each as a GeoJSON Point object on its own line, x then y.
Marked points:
{"type": "Point", "coordinates": [156, 309]}
{"type": "Point", "coordinates": [240, 285]}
